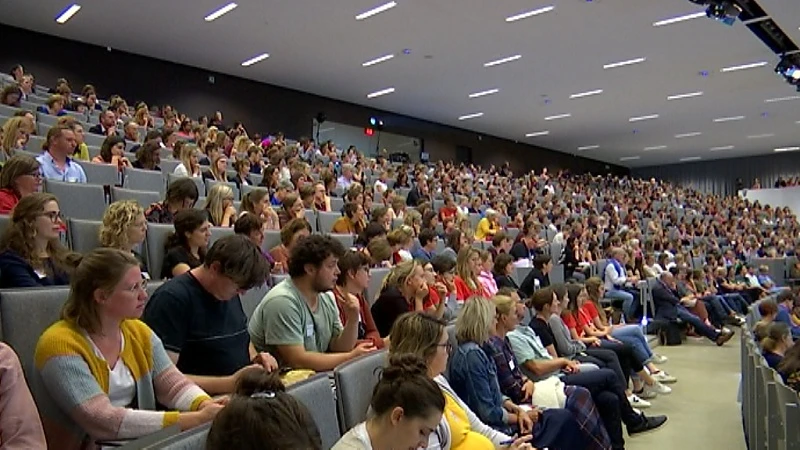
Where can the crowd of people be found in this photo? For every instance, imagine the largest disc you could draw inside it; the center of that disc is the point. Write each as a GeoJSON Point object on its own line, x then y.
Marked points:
{"type": "Point", "coordinates": [550, 362]}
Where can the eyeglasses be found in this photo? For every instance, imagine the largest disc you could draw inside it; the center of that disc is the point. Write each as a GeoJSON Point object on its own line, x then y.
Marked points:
{"type": "Point", "coordinates": [447, 346]}
{"type": "Point", "coordinates": [140, 286]}
{"type": "Point", "coordinates": [54, 216]}
{"type": "Point", "coordinates": [35, 174]}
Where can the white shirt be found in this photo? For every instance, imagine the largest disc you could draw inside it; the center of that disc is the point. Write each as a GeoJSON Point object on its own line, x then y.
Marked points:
{"type": "Point", "coordinates": [356, 438]}
{"type": "Point", "coordinates": [181, 170]}
{"type": "Point", "coordinates": [380, 186]}
{"type": "Point", "coordinates": [121, 385]}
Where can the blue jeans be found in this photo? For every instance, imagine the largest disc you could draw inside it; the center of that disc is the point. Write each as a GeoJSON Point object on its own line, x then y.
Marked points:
{"type": "Point", "coordinates": [717, 310]}
{"type": "Point", "coordinates": [736, 302]}
{"type": "Point", "coordinates": [633, 336]}
{"type": "Point", "coordinates": [699, 327]}
{"type": "Point", "coordinates": [628, 305]}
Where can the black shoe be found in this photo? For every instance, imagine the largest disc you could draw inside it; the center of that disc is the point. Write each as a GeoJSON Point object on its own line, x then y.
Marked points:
{"type": "Point", "coordinates": [724, 337]}
{"type": "Point", "coordinates": [647, 424]}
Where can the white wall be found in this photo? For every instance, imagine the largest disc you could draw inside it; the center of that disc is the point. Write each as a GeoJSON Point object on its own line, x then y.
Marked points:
{"type": "Point", "coordinates": [347, 135]}
{"type": "Point", "coordinates": [788, 196]}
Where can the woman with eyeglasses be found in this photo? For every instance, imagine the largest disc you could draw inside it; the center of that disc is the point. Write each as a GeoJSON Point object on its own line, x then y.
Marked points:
{"type": "Point", "coordinates": [31, 254]}
{"type": "Point", "coordinates": [20, 177]}
{"type": "Point", "coordinates": [425, 336]}
{"type": "Point", "coordinates": [107, 372]}
{"type": "Point", "coordinates": [124, 227]}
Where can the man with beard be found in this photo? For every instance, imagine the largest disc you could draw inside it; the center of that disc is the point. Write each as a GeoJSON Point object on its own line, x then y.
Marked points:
{"type": "Point", "coordinates": [298, 320]}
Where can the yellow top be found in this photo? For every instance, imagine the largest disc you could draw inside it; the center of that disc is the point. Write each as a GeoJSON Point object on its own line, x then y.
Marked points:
{"type": "Point", "coordinates": [460, 431]}
{"type": "Point", "coordinates": [485, 229]}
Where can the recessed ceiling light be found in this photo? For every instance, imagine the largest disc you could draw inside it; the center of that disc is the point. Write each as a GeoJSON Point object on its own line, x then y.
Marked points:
{"type": "Point", "coordinates": [68, 13]}
{"type": "Point", "coordinates": [683, 18]}
{"type": "Point", "coordinates": [624, 63]}
{"type": "Point", "coordinates": [586, 94]}
{"type": "Point", "coordinates": [255, 59]}
{"type": "Point", "coordinates": [525, 15]}
{"type": "Point", "coordinates": [728, 119]}
{"type": "Point", "coordinates": [388, 90]}
{"type": "Point", "coordinates": [782, 99]}
{"type": "Point", "coordinates": [378, 60]}
{"type": "Point", "coordinates": [724, 147]}
{"type": "Point", "coordinates": [630, 158]}
{"type": "Point", "coordinates": [558, 116]}
{"type": "Point", "coordinates": [655, 147]}
{"type": "Point", "coordinates": [588, 147]}
{"type": "Point", "coordinates": [376, 10]}
{"type": "Point", "coordinates": [214, 15]}
{"type": "Point", "coordinates": [687, 95]}
{"type": "Point", "coordinates": [685, 135]}
{"type": "Point", "coordinates": [471, 116]}
{"type": "Point", "coordinates": [484, 93]}
{"type": "Point", "coordinates": [759, 136]}
{"type": "Point", "coordinates": [744, 66]}
{"type": "Point", "coordinates": [640, 118]}
{"type": "Point", "coordinates": [786, 149]}
{"type": "Point", "coordinates": [537, 133]}
{"type": "Point", "coordinates": [502, 61]}
{"type": "Point", "coordinates": [690, 158]}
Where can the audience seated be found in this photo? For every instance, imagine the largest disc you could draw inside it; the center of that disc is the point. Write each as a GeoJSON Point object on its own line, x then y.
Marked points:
{"type": "Point", "coordinates": [468, 266]}
{"type": "Point", "coordinates": [618, 285]}
{"type": "Point", "coordinates": [291, 208]}
{"type": "Point", "coordinates": [15, 134]}
{"type": "Point", "coordinates": [218, 171]}
{"type": "Point", "coordinates": [199, 316]}
{"type": "Point", "coordinates": [776, 341]}
{"type": "Point", "coordinates": [104, 368]}
{"type": "Point", "coordinates": [20, 177]}
{"type": "Point", "coordinates": [148, 156]}
{"type": "Point", "coordinates": [503, 272]}
{"type": "Point", "coordinates": [404, 289]}
{"type": "Point", "coordinates": [257, 202]}
{"type": "Point", "coordinates": [298, 320]}
{"type": "Point", "coordinates": [20, 426]}
{"type": "Point", "coordinates": [352, 220]}
{"type": "Point", "coordinates": [54, 106]}
{"type": "Point", "coordinates": [56, 163]}
{"type": "Point", "coordinates": [31, 254]}
{"type": "Point", "coordinates": [219, 208]}
{"type": "Point", "coordinates": [291, 234]}
{"type": "Point", "coordinates": [260, 413]}
{"type": "Point", "coordinates": [107, 125]}
{"type": "Point", "coordinates": [427, 244]}
{"type": "Point", "coordinates": [112, 151]}
{"type": "Point", "coordinates": [789, 367]}
{"type": "Point", "coordinates": [539, 276]}
{"type": "Point", "coordinates": [124, 228]}
{"type": "Point", "coordinates": [352, 281]}
{"type": "Point", "coordinates": [181, 194]}
{"type": "Point", "coordinates": [407, 407]}
{"type": "Point", "coordinates": [485, 277]}
{"type": "Point", "coordinates": [185, 248]}
{"type": "Point", "coordinates": [787, 302]}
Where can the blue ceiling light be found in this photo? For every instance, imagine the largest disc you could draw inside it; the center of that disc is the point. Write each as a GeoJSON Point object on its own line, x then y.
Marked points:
{"type": "Point", "coordinates": [406, 51]}
{"type": "Point", "coordinates": [704, 73]}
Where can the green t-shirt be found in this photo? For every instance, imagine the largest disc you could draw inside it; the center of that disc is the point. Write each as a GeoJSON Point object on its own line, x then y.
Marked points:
{"type": "Point", "coordinates": [284, 318]}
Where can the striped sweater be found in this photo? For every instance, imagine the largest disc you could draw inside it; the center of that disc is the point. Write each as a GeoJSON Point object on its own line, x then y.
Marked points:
{"type": "Point", "coordinates": [77, 381]}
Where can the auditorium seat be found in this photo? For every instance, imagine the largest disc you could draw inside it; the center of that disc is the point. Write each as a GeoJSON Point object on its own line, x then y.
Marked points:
{"type": "Point", "coordinates": [198, 181]}
{"type": "Point", "coordinates": [156, 238]}
{"type": "Point", "coordinates": [347, 240]}
{"type": "Point", "coordinates": [327, 219]}
{"type": "Point", "coordinates": [102, 174]}
{"type": "Point", "coordinates": [144, 180]}
{"type": "Point", "coordinates": [168, 165]}
{"type": "Point", "coordinates": [77, 200]}
{"type": "Point", "coordinates": [194, 439]}
{"type": "Point", "coordinates": [316, 394]}
{"type": "Point", "coordinates": [252, 298]}
{"type": "Point", "coordinates": [95, 140]}
{"type": "Point", "coordinates": [211, 183]}
{"type": "Point", "coordinates": [311, 217]}
{"type": "Point", "coordinates": [248, 188]}
{"type": "Point", "coordinates": [143, 198]}
{"type": "Point", "coordinates": [376, 277]}
{"type": "Point", "coordinates": [337, 203]}
{"type": "Point", "coordinates": [272, 238]}
{"type": "Point", "coordinates": [83, 234]}
{"type": "Point", "coordinates": [219, 232]}
{"type": "Point", "coordinates": [355, 381]}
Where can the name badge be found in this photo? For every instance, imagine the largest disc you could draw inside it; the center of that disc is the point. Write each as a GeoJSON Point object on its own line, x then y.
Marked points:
{"type": "Point", "coordinates": [309, 330]}
{"type": "Point", "coordinates": [40, 274]}
{"type": "Point", "coordinates": [511, 365]}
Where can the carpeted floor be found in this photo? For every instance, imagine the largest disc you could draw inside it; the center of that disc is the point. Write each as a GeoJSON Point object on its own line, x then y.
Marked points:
{"type": "Point", "coordinates": [702, 408]}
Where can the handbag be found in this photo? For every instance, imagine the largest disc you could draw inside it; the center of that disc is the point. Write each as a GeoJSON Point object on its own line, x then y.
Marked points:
{"type": "Point", "coordinates": [549, 393]}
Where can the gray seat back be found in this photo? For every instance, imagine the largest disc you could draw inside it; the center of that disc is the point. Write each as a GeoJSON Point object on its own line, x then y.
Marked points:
{"type": "Point", "coordinates": [201, 186]}
{"type": "Point", "coordinates": [355, 381]}
{"type": "Point", "coordinates": [77, 200]}
{"type": "Point", "coordinates": [252, 298]}
{"type": "Point", "coordinates": [83, 234]}
{"type": "Point", "coordinates": [316, 394]}
{"type": "Point", "coordinates": [144, 198]}
{"type": "Point", "coordinates": [376, 277]}
{"type": "Point", "coordinates": [156, 238]}
{"type": "Point", "coordinates": [327, 219]}
{"type": "Point", "coordinates": [144, 180]}
{"type": "Point", "coordinates": [194, 439]}
{"type": "Point", "coordinates": [102, 174]}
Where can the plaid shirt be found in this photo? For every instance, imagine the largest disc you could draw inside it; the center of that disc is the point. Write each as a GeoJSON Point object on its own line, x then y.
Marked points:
{"type": "Point", "coordinates": [509, 376]}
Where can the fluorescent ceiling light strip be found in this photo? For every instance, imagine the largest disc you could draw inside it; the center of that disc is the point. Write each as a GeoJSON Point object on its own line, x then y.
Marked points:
{"type": "Point", "coordinates": [255, 59]}
{"type": "Point", "coordinates": [586, 94]}
{"type": "Point", "coordinates": [728, 119]}
{"type": "Point", "coordinates": [221, 12]}
{"type": "Point", "coordinates": [683, 18]}
{"type": "Point", "coordinates": [483, 93]}
{"type": "Point", "coordinates": [782, 99]}
{"type": "Point", "coordinates": [687, 95]}
{"type": "Point", "coordinates": [759, 136]}
{"type": "Point", "coordinates": [381, 92]}
{"type": "Point", "coordinates": [68, 13]}
{"type": "Point", "coordinates": [588, 147]}
{"type": "Point", "coordinates": [655, 147]}
{"type": "Point", "coordinates": [744, 66]}
{"type": "Point", "coordinates": [525, 15]}
{"type": "Point", "coordinates": [724, 147]}
{"type": "Point", "coordinates": [640, 118]}
{"type": "Point", "coordinates": [786, 149]}
{"type": "Point", "coordinates": [376, 10]}
{"type": "Point", "coordinates": [325, 130]}
{"type": "Point", "coordinates": [629, 158]}
{"type": "Point", "coordinates": [558, 116]}
{"type": "Point", "coordinates": [690, 158]}
{"type": "Point", "coordinates": [624, 63]}
{"type": "Point", "coordinates": [379, 60]}
{"type": "Point", "coordinates": [471, 116]}
{"type": "Point", "coordinates": [685, 135]}
{"type": "Point", "coordinates": [537, 133]}
{"type": "Point", "coordinates": [502, 61]}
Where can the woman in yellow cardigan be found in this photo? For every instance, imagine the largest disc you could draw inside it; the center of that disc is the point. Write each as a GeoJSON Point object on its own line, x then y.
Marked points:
{"type": "Point", "coordinates": [105, 369]}
{"type": "Point", "coordinates": [488, 226]}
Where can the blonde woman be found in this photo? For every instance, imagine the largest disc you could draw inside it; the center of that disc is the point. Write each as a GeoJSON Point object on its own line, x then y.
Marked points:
{"type": "Point", "coordinates": [219, 206]}
{"type": "Point", "coordinates": [413, 219]}
{"type": "Point", "coordinates": [189, 166]}
{"type": "Point", "coordinates": [124, 228]}
{"type": "Point", "coordinates": [218, 170]}
{"type": "Point", "coordinates": [404, 289]}
{"type": "Point", "coordinates": [468, 266]}
{"type": "Point", "coordinates": [15, 135]}
{"type": "Point", "coordinates": [240, 145]}
{"type": "Point", "coordinates": [257, 202]}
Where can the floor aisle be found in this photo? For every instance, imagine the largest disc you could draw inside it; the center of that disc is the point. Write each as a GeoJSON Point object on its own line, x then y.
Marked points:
{"type": "Point", "coordinates": [702, 408]}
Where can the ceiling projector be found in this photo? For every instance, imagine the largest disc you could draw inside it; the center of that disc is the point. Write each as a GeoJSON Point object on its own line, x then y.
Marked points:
{"type": "Point", "coordinates": [725, 11]}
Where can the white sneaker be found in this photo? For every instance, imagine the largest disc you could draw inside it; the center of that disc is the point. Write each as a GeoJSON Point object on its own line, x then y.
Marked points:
{"type": "Point", "coordinates": [659, 359]}
{"type": "Point", "coordinates": [658, 388]}
{"type": "Point", "coordinates": [637, 412]}
{"type": "Point", "coordinates": [664, 377]}
{"type": "Point", "coordinates": [638, 402]}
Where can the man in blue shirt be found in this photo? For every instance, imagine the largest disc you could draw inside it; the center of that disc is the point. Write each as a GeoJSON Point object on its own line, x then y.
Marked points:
{"type": "Point", "coordinates": [55, 162]}
{"type": "Point", "coordinates": [785, 301]}
{"type": "Point", "coordinates": [427, 244]}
